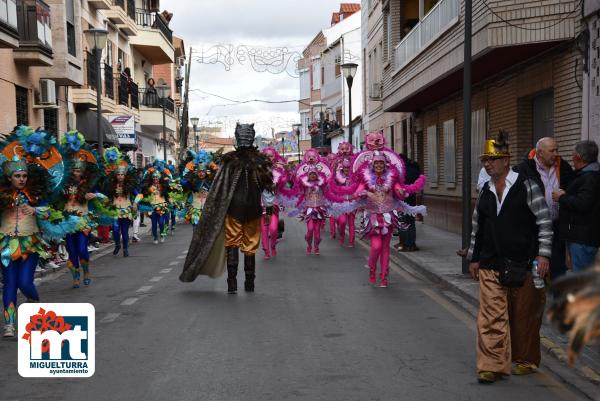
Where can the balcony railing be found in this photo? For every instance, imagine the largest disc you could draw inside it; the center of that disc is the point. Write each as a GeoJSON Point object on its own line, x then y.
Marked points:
{"type": "Point", "coordinates": [8, 15]}
{"type": "Point", "coordinates": [127, 91]}
{"type": "Point", "coordinates": [155, 21]}
{"type": "Point", "coordinates": [34, 24]}
{"type": "Point", "coordinates": [149, 98]}
{"type": "Point", "coordinates": [109, 83]}
{"type": "Point", "coordinates": [439, 19]}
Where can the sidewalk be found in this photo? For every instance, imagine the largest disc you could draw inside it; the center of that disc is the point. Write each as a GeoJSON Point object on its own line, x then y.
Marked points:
{"type": "Point", "coordinates": [438, 261]}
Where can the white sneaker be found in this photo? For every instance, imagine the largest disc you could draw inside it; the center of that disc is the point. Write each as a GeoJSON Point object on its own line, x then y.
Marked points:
{"type": "Point", "coordinates": [155, 242]}
{"type": "Point", "coordinates": [162, 240]}
{"type": "Point", "coordinates": [9, 331]}
{"type": "Point", "coordinates": [92, 249]}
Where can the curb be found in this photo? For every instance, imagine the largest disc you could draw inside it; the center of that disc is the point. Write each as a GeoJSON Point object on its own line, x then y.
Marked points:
{"type": "Point", "coordinates": [547, 344]}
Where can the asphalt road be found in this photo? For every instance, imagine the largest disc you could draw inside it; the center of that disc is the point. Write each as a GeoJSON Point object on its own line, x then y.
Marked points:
{"type": "Point", "coordinates": [314, 330]}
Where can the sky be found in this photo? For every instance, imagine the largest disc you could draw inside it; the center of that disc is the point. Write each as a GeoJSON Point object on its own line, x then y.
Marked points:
{"type": "Point", "coordinates": [255, 24]}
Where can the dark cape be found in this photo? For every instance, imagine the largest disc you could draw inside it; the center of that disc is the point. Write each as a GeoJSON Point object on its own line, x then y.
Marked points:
{"type": "Point", "coordinates": [206, 255]}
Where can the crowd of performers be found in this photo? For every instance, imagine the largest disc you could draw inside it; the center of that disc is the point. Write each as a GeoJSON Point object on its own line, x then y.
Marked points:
{"type": "Point", "coordinates": [61, 191]}
{"type": "Point", "coordinates": [369, 184]}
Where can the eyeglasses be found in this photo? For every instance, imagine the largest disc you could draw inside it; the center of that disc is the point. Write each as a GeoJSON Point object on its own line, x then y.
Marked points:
{"type": "Point", "coordinates": [491, 159]}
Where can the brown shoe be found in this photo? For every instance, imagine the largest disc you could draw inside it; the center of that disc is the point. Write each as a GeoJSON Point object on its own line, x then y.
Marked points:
{"type": "Point", "coordinates": [523, 368]}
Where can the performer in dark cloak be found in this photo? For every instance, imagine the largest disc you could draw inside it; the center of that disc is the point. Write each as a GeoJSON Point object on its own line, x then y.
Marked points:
{"type": "Point", "coordinates": [232, 214]}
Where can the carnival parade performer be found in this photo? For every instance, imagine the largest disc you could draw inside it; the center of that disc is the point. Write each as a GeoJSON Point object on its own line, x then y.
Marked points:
{"type": "Point", "coordinates": [197, 178]}
{"type": "Point", "coordinates": [154, 199]}
{"type": "Point", "coordinates": [81, 198]}
{"type": "Point", "coordinates": [32, 172]}
{"type": "Point", "coordinates": [231, 218]}
{"type": "Point", "coordinates": [270, 224]}
{"type": "Point", "coordinates": [120, 186]}
{"type": "Point", "coordinates": [310, 189]}
{"type": "Point", "coordinates": [331, 161]}
{"type": "Point", "coordinates": [342, 173]}
{"type": "Point", "coordinates": [380, 184]}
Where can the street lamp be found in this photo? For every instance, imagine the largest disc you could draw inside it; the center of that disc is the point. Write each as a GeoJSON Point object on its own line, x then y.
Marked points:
{"type": "Point", "coordinates": [297, 129]}
{"type": "Point", "coordinates": [96, 39]}
{"type": "Point", "coordinates": [349, 70]}
{"type": "Point", "coordinates": [164, 91]}
{"type": "Point", "coordinates": [195, 121]}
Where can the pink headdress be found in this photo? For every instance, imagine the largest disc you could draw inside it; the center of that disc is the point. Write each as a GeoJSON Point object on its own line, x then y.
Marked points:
{"type": "Point", "coordinates": [274, 155]}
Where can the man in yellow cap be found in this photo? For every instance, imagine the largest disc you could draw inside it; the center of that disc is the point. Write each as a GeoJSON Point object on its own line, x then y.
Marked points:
{"type": "Point", "coordinates": [511, 231]}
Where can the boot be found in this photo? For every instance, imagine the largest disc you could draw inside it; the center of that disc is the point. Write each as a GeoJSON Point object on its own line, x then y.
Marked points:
{"type": "Point", "coordinates": [232, 269]}
{"type": "Point", "coordinates": [117, 247]}
{"type": "Point", "coordinates": [250, 270]}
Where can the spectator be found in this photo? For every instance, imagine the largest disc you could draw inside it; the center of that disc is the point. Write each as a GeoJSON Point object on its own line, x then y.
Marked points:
{"type": "Point", "coordinates": [511, 228]}
{"type": "Point", "coordinates": [151, 95]}
{"type": "Point", "coordinates": [580, 206]}
{"type": "Point", "coordinates": [408, 237]}
{"type": "Point", "coordinates": [551, 172]}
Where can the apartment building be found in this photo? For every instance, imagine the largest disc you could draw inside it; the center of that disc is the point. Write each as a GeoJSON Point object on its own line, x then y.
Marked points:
{"type": "Point", "coordinates": [36, 65]}
{"type": "Point", "coordinates": [323, 89]}
{"type": "Point", "coordinates": [526, 80]}
{"type": "Point", "coordinates": [395, 126]}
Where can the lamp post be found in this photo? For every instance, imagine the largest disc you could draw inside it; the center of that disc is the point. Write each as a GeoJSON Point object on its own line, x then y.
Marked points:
{"type": "Point", "coordinates": [297, 129]}
{"type": "Point", "coordinates": [195, 121]}
{"type": "Point", "coordinates": [164, 91]}
{"type": "Point", "coordinates": [349, 70]}
{"type": "Point", "coordinates": [96, 39]}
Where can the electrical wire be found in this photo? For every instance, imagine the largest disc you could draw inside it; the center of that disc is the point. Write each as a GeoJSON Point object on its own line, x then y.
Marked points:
{"type": "Point", "coordinates": [485, 3]}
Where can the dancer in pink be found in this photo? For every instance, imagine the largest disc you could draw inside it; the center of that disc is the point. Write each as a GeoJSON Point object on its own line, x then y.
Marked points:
{"type": "Point", "coordinates": [331, 161]}
{"type": "Point", "coordinates": [379, 174]}
{"type": "Point", "coordinates": [343, 178]}
{"type": "Point", "coordinates": [270, 223]}
{"type": "Point", "coordinates": [310, 191]}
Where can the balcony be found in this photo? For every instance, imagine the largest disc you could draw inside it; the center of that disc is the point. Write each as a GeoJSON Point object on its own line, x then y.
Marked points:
{"type": "Point", "coordinates": [427, 63]}
{"type": "Point", "coordinates": [109, 83]}
{"type": "Point", "coordinates": [154, 39]}
{"type": "Point", "coordinates": [151, 112]}
{"type": "Point", "coordinates": [100, 4]}
{"type": "Point", "coordinates": [438, 20]}
{"type": "Point", "coordinates": [9, 30]}
{"type": "Point", "coordinates": [35, 34]}
{"type": "Point", "coordinates": [120, 15]}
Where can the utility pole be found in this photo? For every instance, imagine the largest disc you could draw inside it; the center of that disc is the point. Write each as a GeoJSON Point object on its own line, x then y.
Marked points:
{"type": "Point", "coordinates": [466, 178]}
{"type": "Point", "coordinates": [183, 134]}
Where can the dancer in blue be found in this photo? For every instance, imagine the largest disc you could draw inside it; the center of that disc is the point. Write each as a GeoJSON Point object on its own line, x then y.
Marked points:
{"type": "Point", "coordinates": [81, 198]}
{"type": "Point", "coordinates": [154, 199]}
{"type": "Point", "coordinates": [120, 188]}
{"type": "Point", "coordinates": [197, 178]}
{"type": "Point", "coordinates": [32, 171]}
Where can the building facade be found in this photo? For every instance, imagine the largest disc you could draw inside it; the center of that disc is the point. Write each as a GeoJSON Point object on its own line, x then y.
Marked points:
{"type": "Point", "coordinates": [323, 89]}
{"type": "Point", "coordinates": [591, 70]}
{"type": "Point", "coordinates": [526, 80]}
{"type": "Point", "coordinates": [395, 126]}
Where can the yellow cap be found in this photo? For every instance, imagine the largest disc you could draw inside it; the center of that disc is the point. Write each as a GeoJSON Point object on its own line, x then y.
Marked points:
{"type": "Point", "coordinates": [496, 147]}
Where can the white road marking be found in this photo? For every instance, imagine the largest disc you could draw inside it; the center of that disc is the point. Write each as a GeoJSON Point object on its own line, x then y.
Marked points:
{"type": "Point", "coordinates": [129, 301]}
{"type": "Point", "coordinates": [145, 288]}
{"type": "Point", "coordinates": [174, 263]}
{"type": "Point", "coordinates": [156, 279]}
{"type": "Point", "coordinates": [181, 257]}
{"type": "Point", "coordinates": [185, 252]}
{"type": "Point", "coordinates": [165, 271]}
{"type": "Point", "coordinates": [111, 317]}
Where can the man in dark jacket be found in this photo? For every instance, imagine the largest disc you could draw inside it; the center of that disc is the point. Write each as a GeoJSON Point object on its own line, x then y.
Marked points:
{"type": "Point", "coordinates": [550, 172]}
{"type": "Point", "coordinates": [408, 238]}
{"type": "Point", "coordinates": [580, 206]}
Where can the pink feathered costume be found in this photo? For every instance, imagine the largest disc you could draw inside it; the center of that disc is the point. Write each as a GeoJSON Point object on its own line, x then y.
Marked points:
{"type": "Point", "coordinates": [270, 229]}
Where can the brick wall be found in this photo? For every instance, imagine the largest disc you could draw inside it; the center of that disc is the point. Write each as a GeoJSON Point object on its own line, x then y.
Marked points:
{"type": "Point", "coordinates": [163, 71]}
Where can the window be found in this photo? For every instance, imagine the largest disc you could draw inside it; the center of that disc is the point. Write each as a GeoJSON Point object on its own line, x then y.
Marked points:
{"type": "Point", "coordinates": [51, 121]}
{"type": "Point", "coordinates": [478, 134]}
{"type": "Point", "coordinates": [316, 74]}
{"type": "Point", "coordinates": [109, 53]}
{"type": "Point", "coordinates": [122, 60]}
{"type": "Point", "coordinates": [304, 84]}
{"type": "Point", "coordinates": [22, 95]}
{"type": "Point", "coordinates": [432, 155]}
{"type": "Point", "coordinates": [388, 35]}
{"type": "Point", "coordinates": [70, 12]}
{"type": "Point", "coordinates": [449, 152]}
